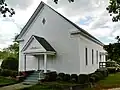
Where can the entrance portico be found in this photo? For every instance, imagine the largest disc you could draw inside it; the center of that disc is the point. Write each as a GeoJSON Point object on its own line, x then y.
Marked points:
{"type": "Point", "coordinates": [45, 54]}
{"type": "Point", "coordinates": [37, 47]}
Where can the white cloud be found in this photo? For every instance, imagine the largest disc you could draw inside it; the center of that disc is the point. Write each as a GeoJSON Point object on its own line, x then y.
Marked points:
{"type": "Point", "coordinates": [91, 15]}
{"type": "Point", "coordinates": [101, 32]}
{"type": "Point", "coordinates": [10, 26]}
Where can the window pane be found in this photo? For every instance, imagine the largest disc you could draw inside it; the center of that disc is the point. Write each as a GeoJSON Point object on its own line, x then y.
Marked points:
{"type": "Point", "coordinates": [86, 56]}
{"type": "Point", "coordinates": [97, 57]}
{"type": "Point", "coordinates": [92, 56]}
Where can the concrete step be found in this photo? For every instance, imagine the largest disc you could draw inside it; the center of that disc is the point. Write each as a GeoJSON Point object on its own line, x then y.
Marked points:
{"type": "Point", "coordinates": [34, 77]}
{"type": "Point", "coordinates": [31, 79]}
{"type": "Point", "coordinates": [35, 73]}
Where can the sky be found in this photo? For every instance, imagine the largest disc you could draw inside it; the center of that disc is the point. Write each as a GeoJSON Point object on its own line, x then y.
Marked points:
{"type": "Point", "coordinates": [91, 15]}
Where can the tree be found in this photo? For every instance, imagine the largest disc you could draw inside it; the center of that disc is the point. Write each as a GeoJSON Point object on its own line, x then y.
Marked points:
{"type": "Point", "coordinates": [4, 9]}
{"type": "Point", "coordinates": [114, 9]}
{"type": "Point", "coordinates": [114, 50]}
{"type": "Point", "coordinates": [11, 51]}
{"type": "Point", "coordinates": [10, 56]}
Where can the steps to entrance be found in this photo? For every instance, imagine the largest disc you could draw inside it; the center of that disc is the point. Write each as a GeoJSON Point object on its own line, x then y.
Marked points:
{"type": "Point", "coordinates": [34, 77]}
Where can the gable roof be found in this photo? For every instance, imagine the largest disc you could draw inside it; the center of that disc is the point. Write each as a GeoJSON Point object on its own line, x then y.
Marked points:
{"type": "Point", "coordinates": [81, 31]}
{"type": "Point", "coordinates": [42, 42]}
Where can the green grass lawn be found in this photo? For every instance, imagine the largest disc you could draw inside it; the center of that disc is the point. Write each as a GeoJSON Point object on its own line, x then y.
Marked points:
{"type": "Point", "coordinates": [112, 81]}
{"type": "Point", "coordinates": [41, 87]}
{"type": "Point", "coordinates": [4, 81]}
{"type": "Point", "coordinates": [50, 86]}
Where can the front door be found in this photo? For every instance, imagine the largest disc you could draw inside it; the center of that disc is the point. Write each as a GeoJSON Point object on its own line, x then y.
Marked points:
{"type": "Point", "coordinates": [40, 62]}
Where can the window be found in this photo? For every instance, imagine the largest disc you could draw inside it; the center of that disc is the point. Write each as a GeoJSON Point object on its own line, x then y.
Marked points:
{"type": "Point", "coordinates": [100, 57]}
{"type": "Point", "coordinates": [97, 57]}
{"type": "Point", "coordinates": [86, 56]}
{"type": "Point", "coordinates": [92, 56]}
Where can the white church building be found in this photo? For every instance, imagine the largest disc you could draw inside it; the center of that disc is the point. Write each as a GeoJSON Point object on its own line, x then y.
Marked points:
{"type": "Point", "coordinates": [49, 41]}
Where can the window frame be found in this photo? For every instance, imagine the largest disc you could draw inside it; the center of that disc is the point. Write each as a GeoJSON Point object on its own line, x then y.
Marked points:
{"type": "Point", "coordinates": [86, 56]}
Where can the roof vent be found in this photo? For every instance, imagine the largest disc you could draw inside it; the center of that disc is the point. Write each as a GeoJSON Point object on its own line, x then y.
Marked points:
{"type": "Point", "coordinates": [43, 21]}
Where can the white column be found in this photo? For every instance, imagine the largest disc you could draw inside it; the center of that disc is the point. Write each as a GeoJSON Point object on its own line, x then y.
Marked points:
{"type": "Point", "coordinates": [103, 59]}
{"type": "Point", "coordinates": [45, 63]}
{"type": "Point", "coordinates": [38, 63]}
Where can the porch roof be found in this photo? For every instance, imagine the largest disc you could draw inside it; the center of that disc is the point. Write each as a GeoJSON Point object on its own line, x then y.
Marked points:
{"type": "Point", "coordinates": [44, 43]}
{"type": "Point", "coordinates": [46, 47]}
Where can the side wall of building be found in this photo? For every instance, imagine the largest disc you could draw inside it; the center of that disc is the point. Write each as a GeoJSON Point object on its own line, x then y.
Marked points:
{"type": "Point", "coordinates": [92, 62]}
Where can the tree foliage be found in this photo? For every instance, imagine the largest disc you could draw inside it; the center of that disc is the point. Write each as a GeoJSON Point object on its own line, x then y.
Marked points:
{"type": "Point", "coordinates": [10, 56]}
{"type": "Point", "coordinates": [4, 9]}
{"type": "Point", "coordinates": [113, 50]}
{"type": "Point", "coordinates": [114, 9]}
{"type": "Point", "coordinates": [11, 51]}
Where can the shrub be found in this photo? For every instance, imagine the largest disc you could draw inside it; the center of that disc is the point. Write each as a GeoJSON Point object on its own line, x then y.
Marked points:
{"type": "Point", "coordinates": [46, 77]}
{"type": "Point", "coordinates": [10, 63]}
{"type": "Point", "coordinates": [112, 70]}
{"type": "Point", "coordinates": [14, 74]}
{"type": "Point", "coordinates": [0, 71]}
{"type": "Point", "coordinates": [83, 78]}
{"type": "Point", "coordinates": [6, 73]}
{"type": "Point", "coordinates": [67, 77]}
{"type": "Point", "coordinates": [101, 76]}
{"type": "Point", "coordinates": [74, 77]}
{"type": "Point", "coordinates": [104, 71]}
{"type": "Point", "coordinates": [60, 76]}
{"type": "Point", "coordinates": [51, 76]}
{"type": "Point", "coordinates": [92, 79]}
{"type": "Point", "coordinates": [96, 76]}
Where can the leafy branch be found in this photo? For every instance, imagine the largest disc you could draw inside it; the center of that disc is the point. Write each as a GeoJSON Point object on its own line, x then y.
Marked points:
{"type": "Point", "coordinates": [114, 10]}
{"type": "Point", "coordinates": [4, 9]}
